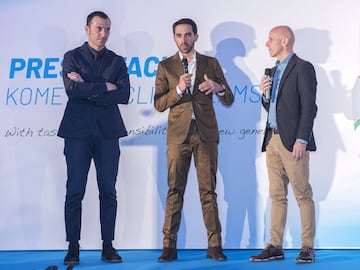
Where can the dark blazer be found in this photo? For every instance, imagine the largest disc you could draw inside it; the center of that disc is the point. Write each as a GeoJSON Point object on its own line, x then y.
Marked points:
{"type": "Point", "coordinates": [89, 103]}
{"type": "Point", "coordinates": [181, 108]}
{"type": "Point", "coordinates": [295, 106]}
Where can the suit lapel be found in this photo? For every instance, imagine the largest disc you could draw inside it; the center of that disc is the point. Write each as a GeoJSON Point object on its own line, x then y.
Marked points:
{"type": "Point", "coordinates": [90, 58]}
{"type": "Point", "coordinates": [200, 71]}
{"type": "Point", "coordinates": [288, 69]}
{"type": "Point", "coordinates": [177, 64]}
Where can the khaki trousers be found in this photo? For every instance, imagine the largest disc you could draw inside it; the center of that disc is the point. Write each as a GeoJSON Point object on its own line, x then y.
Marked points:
{"type": "Point", "coordinates": [282, 169]}
{"type": "Point", "coordinates": [179, 159]}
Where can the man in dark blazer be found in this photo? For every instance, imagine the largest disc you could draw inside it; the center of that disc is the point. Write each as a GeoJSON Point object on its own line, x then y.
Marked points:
{"type": "Point", "coordinates": [185, 84]}
{"type": "Point", "coordinates": [96, 81]}
{"type": "Point", "coordinates": [288, 139]}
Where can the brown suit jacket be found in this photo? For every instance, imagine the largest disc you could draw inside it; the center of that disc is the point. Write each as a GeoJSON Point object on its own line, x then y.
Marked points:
{"type": "Point", "coordinates": [182, 108]}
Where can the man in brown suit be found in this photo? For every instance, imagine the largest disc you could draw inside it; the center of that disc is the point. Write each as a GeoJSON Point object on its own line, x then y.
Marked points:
{"type": "Point", "coordinates": [185, 84]}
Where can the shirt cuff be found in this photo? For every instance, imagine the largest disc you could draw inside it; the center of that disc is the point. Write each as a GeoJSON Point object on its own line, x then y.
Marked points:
{"type": "Point", "coordinates": [302, 141]}
{"type": "Point", "coordinates": [222, 92]}
{"type": "Point", "coordinates": [180, 93]}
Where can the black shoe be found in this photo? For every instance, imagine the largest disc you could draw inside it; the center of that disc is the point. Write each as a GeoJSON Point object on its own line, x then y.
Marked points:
{"type": "Point", "coordinates": [216, 253]}
{"type": "Point", "coordinates": [269, 253]}
{"type": "Point", "coordinates": [109, 254]}
{"type": "Point", "coordinates": [168, 255]}
{"type": "Point", "coordinates": [72, 257]}
{"type": "Point", "coordinates": [307, 255]}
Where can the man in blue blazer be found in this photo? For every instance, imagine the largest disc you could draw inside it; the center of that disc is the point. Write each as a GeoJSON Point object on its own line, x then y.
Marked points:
{"type": "Point", "coordinates": [96, 81]}
{"type": "Point", "coordinates": [288, 139]}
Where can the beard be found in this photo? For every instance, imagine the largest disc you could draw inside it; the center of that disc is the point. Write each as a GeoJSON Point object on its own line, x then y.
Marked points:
{"type": "Point", "coordinates": [186, 48]}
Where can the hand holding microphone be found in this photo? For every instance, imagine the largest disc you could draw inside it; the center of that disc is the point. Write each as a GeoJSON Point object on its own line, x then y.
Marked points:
{"type": "Point", "coordinates": [266, 84]}
{"type": "Point", "coordinates": [185, 66]}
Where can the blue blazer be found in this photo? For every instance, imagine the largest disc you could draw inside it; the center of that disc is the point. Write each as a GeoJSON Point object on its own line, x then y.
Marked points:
{"type": "Point", "coordinates": [89, 103]}
{"type": "Point", "coordinates": [295, 106]}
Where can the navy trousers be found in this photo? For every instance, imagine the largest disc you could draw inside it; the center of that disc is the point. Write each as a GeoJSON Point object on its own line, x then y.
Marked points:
{"type": "Point", "coordinates": [79, 152]}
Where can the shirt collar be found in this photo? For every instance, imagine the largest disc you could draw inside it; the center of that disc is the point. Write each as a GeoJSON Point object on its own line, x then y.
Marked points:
{"type": "Point", "coordinates": [181, 56]}
{"type": "Point", "coordinates": [286, 60]}
{"type": "Point", "coordinates": [95, 52]}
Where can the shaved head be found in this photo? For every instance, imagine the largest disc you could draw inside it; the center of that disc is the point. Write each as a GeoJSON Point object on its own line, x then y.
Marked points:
{"type": "Point", "coordinates": [285, 32]}
{"type": "Point", "coordinates": [280, 42]}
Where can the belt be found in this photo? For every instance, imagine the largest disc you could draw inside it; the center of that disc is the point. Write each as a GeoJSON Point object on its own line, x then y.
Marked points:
{"type": "Point", "coordinates": [274, 131]}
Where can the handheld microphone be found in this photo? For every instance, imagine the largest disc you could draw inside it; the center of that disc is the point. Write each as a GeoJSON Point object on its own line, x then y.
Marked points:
{"type": "Point", "coordinates": [267, 92]}
{"type": "Point", "coordinates": [185, 66]}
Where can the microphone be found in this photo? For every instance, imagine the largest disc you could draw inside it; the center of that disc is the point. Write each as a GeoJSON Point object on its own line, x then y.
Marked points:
{"type": "Point", "coordinates": [185, 65]}
{"type": "Point", "coordinates": [267, 92]}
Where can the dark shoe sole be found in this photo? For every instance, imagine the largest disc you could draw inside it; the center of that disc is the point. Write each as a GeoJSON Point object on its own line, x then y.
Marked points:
{"type": "Point", "coordinates": [216, 259]}
{"type": "Point", "coordinates": [167, 260]}
{"type": "Point", "coordinates": [275, 258]}
{"type": "Point", "coordinates": [300, 261]}
{"type": "Point", "coordinates": [71, 262]}
{"type": "Point", "coordinates": [162, 260]}
{"type": "Point", "coordinates": [111, 260]}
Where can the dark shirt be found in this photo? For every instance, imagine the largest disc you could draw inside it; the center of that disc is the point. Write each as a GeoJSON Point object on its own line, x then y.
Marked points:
{"type": "Point", "coordinates": [97, 54]}
{"type": "Point", "coordinates": [90, 103]}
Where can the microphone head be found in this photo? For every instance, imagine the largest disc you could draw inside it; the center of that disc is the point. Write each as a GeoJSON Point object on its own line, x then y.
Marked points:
{"type": "Point", "coordinates": [268, 71]}
{"type": "Point", "coordinates": [184, 61]}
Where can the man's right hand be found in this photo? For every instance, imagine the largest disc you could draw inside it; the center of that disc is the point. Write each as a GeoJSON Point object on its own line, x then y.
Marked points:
{"type": "Point", "coordinates": [111, 86]}
{"type": "Point", "coordinates": [265, 84]}
{"type": "Point", "coordinates": [76, 77]}
{"type": "Point", "coordinates": [184, 81]}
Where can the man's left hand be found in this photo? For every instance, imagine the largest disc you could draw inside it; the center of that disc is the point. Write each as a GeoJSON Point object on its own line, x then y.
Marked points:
{"type": "Point", "coordinates": [298, 150]}
{"type": "Point", "coordinates": [208, 86]}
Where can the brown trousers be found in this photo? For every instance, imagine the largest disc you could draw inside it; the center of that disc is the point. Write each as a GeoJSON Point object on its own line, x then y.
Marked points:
{"type": "Point", "coordinates": [179, 159]}
{"type": "Point", "coordinates": [282, 169]}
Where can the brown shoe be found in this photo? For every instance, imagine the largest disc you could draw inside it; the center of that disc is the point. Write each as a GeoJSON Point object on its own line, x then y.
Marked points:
{"type": "Point", "coordinates": [269, 253]}
{"type": "Point", "coordinates": [216, 253]}
{"type": "Point", "coordinates": [168, 255]}
{"type": "Point", "coordinates": [307, 255]}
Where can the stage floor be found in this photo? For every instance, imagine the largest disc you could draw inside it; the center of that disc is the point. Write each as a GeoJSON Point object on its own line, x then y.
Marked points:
{"type": "Point", "coordinates": [326, 259]}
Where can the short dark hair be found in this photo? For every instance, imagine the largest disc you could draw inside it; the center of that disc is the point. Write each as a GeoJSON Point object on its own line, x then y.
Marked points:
{"type": "Point", "coordinates": [98, 14]}
{"type": "Point", "coordinates": [186, 21]}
